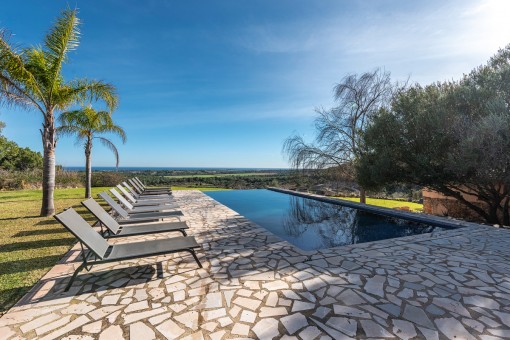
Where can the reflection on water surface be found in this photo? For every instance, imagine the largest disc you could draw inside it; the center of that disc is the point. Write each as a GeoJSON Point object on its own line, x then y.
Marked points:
{"type": "Point", "coordinates": [310, 224]}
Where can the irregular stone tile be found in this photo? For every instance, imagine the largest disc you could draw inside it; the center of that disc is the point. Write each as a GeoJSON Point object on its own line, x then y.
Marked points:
{"type": "Point", "coordinates": [417, 315]}
{"type": "Point", "coordinates": [275, 285]}
{"type": "Point", "coordinates": [404, 329]}
{"type": "Point", "coordinates": [189, 319]}
{"type": "Point", "coordinates": [137, 306]}
{"type": "Point", "coordinates": [240, 329]}
{"type": "Point", "coordinates": [310, 332]}
{"type": "Point", "coordinates": [217, 335]}
{"type": "Point", "coordinates": [272, 311]}
{"type": "Point", "coordinates": [251, 304]}
{"type": "Point", "coordinates": [78, 322]}
{"type": "Point", "coordinates": [94, 327]}
{"type": "Point", "coordinates": [344, 325]}
{"type": "Point", "coordinates": [213, 314]}
{"type": "Point", "coordinates": [139, 330]}
{"type": "Point", "coordinates": [375, 285]}
{"type": "Point", "coordinates": [481, 301]}
{"type": "Point", "coordinates": [170, 329]}
{"type": "Point", "coordinates": [137, 316]}
{"type": "Point", "coordinates": [225, 321]}
{"type": "Point", "coordinates": [300, 306]}
{"type": "Point", "coordinates": [41, 321]}
{"type": "Point", "coordinates": [372, 329]}
{"type": "Point", "coordinates": [155, 320]}
{"type": "Point", "coordinates": [213, 300]}
{"type": "Point", "coordinates": [429, 334]}
{"type": "Point", "coordinates": [53, 325]}
{"type": "Point", "coordinates": [294, 322]}
{"type": "Point", "coordinates": [452, 328]}
{"type": "Point", "coordinates": [247, 316]}
{"type": "Point", "coordinates": [113, 332]}
{"type": "Point", "coordinates": [350, 311]}
{"type": "Point", "coordinates": [266, 328]}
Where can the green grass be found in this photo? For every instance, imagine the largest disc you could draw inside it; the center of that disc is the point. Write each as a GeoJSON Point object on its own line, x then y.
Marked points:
{"type": "Point", "coordinates": [199, 188]}
{"type": "Point", "coordinates": [243, 174]}
{"type": "Point", "coordinates": [29, 244]}
{"type": "Point", "coordinates": [392, 204]}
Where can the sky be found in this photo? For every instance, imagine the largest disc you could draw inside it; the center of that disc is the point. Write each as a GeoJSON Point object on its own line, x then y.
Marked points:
{"type": "Point", "coordinates": [224, 83]}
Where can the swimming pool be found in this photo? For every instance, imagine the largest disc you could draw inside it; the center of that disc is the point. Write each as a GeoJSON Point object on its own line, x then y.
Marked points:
{"type": "Point", "coordinates": [311, 224]}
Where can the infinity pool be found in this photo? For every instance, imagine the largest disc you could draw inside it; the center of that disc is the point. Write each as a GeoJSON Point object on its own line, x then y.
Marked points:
{"type": "Point", "coordinates": [310, 224]}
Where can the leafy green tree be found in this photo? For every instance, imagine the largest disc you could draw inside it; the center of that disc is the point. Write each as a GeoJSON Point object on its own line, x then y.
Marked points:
{"type": "Point", "coordinates": [86, 125]}
{"type": "Point", "coordinates": [32, 78]}
{"type": "Point", "coordinates": [452, 137]}
{"type": "Point", "coordinates": [15, 158]}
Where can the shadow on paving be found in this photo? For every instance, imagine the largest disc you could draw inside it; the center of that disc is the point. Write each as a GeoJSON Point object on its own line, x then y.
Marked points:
{"type": "Point", "coordinates": [97, 281]}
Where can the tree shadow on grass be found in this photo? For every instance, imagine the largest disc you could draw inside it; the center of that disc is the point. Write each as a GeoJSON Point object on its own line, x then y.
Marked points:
{"type": "Point", "coordinates": [26, 265]}
{"type": "Point", "coordinates": [9, 296]}
{"type": "Point", "coordinates": [18, 218]}
{"type": "Point", "coordinates": [17, 246]}
{"type": "Point", "coordinates": [40, 232]}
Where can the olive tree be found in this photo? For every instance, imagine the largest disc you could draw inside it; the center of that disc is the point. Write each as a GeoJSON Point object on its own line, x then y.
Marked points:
{"type": "Point", "coordinates": [452, 137]}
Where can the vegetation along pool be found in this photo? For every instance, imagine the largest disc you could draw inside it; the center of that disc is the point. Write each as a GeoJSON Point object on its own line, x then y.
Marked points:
{"type": "Point", "coordinates": [310, 224]}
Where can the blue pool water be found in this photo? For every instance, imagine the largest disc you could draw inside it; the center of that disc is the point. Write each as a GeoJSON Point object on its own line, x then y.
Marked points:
{"type": "Point", "coordinates": [310, 224]}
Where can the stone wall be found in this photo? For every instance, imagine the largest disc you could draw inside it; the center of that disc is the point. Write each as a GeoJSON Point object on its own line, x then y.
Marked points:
{"type": "Point", "coordinates": [437, 204]}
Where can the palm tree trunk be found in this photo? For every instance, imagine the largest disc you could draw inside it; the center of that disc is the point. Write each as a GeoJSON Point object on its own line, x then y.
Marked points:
{"type": "Point", "coordinates": [88, 169]}
{"type": "Point", "coordinates": [48, 134]}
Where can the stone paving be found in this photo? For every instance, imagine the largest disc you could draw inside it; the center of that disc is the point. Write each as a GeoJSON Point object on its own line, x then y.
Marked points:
{"type": "Point", "coordinates": [444, 285]}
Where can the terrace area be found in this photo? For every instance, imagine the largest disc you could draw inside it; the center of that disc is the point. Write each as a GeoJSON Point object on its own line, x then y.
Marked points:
{"type": "Point", "coordinates": [448, 284]}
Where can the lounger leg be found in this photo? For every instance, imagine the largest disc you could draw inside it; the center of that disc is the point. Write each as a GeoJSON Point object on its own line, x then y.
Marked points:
{"type": "Point", "coordinates": [74, 276]}
{"type": "Point", "coordinates": [192, 252]}
{"type": "Point", "coordinates": [183, 232]}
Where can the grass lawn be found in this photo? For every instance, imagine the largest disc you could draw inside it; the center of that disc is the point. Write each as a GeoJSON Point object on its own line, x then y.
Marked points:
{"type": "Point", "coordinates": [392, 204]}
{"type": "Point", "coordinates": [243, 174]}
{"type": "Point", "coordinates": [199, 188]}
{"type": "Point", "coordinates": [29, 244]}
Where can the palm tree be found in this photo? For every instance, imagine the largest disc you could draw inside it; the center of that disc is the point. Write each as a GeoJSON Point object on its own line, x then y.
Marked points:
{"type": "Point", "coordinates": [31, 78]}
{"type": "Point", "coordinates": [86, 124]}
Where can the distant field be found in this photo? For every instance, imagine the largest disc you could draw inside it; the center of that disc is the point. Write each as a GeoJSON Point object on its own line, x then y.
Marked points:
{"type": "Point", "coordinates": [242, 174]}
{"type": "Point", "coordinates": [392, 204]}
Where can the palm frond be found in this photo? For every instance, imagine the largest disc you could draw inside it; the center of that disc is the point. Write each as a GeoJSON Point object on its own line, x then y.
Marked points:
{"type": "Point", "coordinates": [62, 38]}
{"type": "Point", "coordinates": [18, 84]}
{"type": "Point", "coordinates": [86, 91]}
{"type": "Point", "coordinates": [107, 143]}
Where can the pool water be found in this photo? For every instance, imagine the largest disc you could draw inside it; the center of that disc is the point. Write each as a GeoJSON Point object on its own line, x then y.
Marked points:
{"type": "Point", "coordinates": [310, 224]}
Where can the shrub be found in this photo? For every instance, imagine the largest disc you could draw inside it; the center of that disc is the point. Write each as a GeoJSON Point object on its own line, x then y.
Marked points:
{"type": "Point", "coordinates": [107, 178]}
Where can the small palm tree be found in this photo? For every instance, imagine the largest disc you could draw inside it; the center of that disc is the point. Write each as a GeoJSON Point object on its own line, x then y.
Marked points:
{"type": "Point", "coordinates": [87, 124]}
{"type": "Point", "coordinates": [31, 78]}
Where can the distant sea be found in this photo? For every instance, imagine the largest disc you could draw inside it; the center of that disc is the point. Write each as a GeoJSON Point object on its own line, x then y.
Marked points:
{"type": "Point", "coordinates": [141, 168]}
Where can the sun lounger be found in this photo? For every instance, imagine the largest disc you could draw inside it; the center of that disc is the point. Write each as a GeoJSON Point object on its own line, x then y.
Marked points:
{"type": "Point", "coordinates": [114, 229]}
{"type": "Point", "coordinates": [125, 217]}
{"type": "Point", "coordinates": [100, 251]}
{"type": "Point", "coordinates": [142, 209]}
{"type": "Point", "coordinates": [144, 187]}
{"type": "Point", "coordinates": [142, 202]}
{"type": "Point", "coordinates": [136, 195]}
{"type": "Point", "coordinates": [143, 191]}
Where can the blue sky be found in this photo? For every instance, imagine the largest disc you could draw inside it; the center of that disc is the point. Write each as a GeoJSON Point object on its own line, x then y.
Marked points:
{"type": "Point", "coordinates": [223, 83]}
